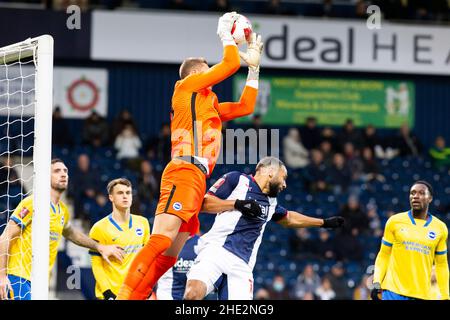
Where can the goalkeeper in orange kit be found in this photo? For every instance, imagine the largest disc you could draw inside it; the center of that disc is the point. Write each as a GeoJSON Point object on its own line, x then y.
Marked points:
{"type": "Point", "coordinates": [196, 124]}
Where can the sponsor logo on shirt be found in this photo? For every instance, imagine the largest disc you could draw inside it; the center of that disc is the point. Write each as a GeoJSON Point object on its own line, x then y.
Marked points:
{"type": "Point", "coordinates": [182, 265]}
{"type": "Point", "coordinates": [24, 212]}
{"type": "Point", "coordinates": [177, 206]}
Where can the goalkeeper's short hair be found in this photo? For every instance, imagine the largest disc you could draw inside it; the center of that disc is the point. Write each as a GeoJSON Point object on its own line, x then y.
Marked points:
{"type": "Point", "coordinates": [188, 64]}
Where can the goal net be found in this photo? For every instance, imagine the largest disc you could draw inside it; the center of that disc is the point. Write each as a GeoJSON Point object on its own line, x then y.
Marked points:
{"type": "Point", "coordinates": [26, 79]}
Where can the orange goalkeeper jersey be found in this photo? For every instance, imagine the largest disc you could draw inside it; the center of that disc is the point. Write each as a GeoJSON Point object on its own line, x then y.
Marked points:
{"type": "Point", "coordinates": [197, 116]}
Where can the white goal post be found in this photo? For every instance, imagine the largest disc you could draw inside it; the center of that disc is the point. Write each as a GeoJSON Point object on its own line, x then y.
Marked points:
{"type": "Point", "coordinates": [40, 51]}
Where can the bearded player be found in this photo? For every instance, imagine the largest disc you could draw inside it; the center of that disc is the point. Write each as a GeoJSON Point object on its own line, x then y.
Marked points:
{"type": "Point", "coordinates": [196, 123]}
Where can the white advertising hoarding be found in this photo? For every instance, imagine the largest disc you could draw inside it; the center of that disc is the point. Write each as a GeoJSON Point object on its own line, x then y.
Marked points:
{"type": "Point", "coordinates": [295, 43]}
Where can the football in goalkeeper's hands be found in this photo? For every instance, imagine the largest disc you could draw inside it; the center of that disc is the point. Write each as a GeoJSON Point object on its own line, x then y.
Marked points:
{"type": "Point", "coordinates": [241, 30]}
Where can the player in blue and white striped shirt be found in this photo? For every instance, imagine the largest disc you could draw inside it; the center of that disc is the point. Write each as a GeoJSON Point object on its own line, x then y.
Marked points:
{"type": "Point", "coordinates": [230, 248]}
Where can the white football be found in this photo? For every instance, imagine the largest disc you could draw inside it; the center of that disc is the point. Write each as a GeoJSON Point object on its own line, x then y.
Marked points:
{"type": "Point", "coordinates": [241, 30]}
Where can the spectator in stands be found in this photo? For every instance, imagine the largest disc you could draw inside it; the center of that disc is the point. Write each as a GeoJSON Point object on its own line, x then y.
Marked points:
{"type": "Point", "coordinates": [370, 138]}
{"type": "Point", "coordinates": [220, 6]}
{"type": "Point", "coordinates": [395, 9]}
{"type": "Point", "coordinates": [301, 244]}
{"type": "Point", "coordinates": [407, 143]}
{"type": "Point", "coordinates": [84, 185]}
{"type": "Point", "coordinates": [316, 173]}
{"type": "Point", "coordinates": [179, 5]}
{"type": "Point", "coordinates": [325, 290]}
{"type": "Point", "coordinates": [163, 150]}
{"type": "Point", "coordinates": [123, 119]}
{"type": "Point", "coordinates": [422, 9]}
{"type": "Point", "coordinates": [100, 208]}
{"type": "Point", "coordinates": [327, 151]}
{"type": "Point", "coordinates": [374, 221]}
{"type": "Point", "coordinates": [310, 134]}
{"type": "Point", "coordinates": [329, 135]}
{"type": "Point", "coordinates": [324, 247]}
{"type": "Point", "coordinates": [309, 296]}
{"type": "Point", "coordinates": [440, 10]}
{"type": "Point", "coordinates": [61, 135]}
{"type": "Point", "coordinates": [370, 167]}
{"type": "Point", "coordinates": [353, 161]}
{"type": "Point", "coordinates": [348, 246]}
{"type": "Point", "coordinates": [148, 184]}
{"type": "Point", "coordinates": [295, 154]}
{"type": "Point", "coordinates": [128, 144]}
{"type": "Point", "coordinates": [356, 220]}
{"type": "Point", "coordinates": [262, 294]}
{"type": "Point", "coordinates": [95, 130]}
{"type": "Point", "coordinates": [279, 290]}
{"type": "Point", "coordinates": [338, 282]}
{"type": "Point", "coordinates": [307, 281]}
{"type": "Point", "coordinates": [275, 7]}
{"type": "Point", "coordinates": [327, 10]}
{"type": "Point", "coordinates": [350, 134]}
{"type": "Point", "coordinates": [361, 10]}
{"type": "Point", "coordinates": [339, 175]}
{"type": "Point", "coordinates": [439, 153]}
{"type": "Point", "coordinates": [362, 292]}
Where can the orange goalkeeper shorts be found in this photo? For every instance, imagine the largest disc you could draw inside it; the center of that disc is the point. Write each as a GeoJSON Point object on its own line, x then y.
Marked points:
{"type": "Point", "coordinates": [183, 186]}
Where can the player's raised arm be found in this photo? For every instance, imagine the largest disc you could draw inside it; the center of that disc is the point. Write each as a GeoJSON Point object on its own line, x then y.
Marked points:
{"type": "Point", "coordinates": [9, 235]}
{"type": "Point", "coordinates": [294, 219]}
{"type": "Point", "coordinates": [246, 105]}
{"type": "Point", "coordinates": [230, 61]}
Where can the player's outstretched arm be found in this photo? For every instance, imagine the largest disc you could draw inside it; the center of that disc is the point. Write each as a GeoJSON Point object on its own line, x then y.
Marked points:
{"type": "Point", "coordinates": [246, 105]}
{"type": "Point", "coordinates": [230, 61]}
{"type": "Point", "coordinates": [213, 204]}
{"type": "Point", "coordinates": [9, 235]}
{"type": "Point", "coordinates": [79, 238]}
{"type": "Point", "coordinates": [297, 220]}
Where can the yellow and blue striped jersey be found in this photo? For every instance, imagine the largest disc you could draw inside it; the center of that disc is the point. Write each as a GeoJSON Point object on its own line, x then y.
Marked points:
{"type": "Point", "coordinates": [20, 253]}
{"type": "Point", "coordinates": [131, 236]}
{"type": "Point", "coordinates": [414, 244]}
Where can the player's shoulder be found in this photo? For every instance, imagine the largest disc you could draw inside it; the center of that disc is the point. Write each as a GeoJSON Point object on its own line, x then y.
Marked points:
{"type": "Point", "coordinates": [27, 202]}
{"type": "Point", "coordinates": [233, 174]}
{"type": "Point", "coordinates": [398, 217]}
{"type": "Point", "coordinates": [100, 224]}
{"type": "Point", "coordinates": [139, 219]}
{"type": "Point", "coordinates": [439, 223]}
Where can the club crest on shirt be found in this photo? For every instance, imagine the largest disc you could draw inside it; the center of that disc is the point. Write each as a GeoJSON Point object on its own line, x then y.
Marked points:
{"type": "Point", "coordinates": [431, 235]}
{"type": "Point", "coordinates": [139, 232]}
{"type": "Point", "coordinates": [177, 206]}
{"type": "Point", "coordinates": [62, 220]}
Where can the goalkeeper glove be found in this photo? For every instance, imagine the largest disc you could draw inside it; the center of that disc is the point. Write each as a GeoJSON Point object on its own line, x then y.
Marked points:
{"type": "Point", "coordinates": [254, 50]}
{"type": "Point", "coordinates": [333, 222]}
{"type": "Point", "coordinates": [249, 208]}
{"type": "Point", "coordinates": [224, 27]}
{"type": "Point", "coordinates": [376, 291]}
{"type": "Point", "coordinates": [109, 295]}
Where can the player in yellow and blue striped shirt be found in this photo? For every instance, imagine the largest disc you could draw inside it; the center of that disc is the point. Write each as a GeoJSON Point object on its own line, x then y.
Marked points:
{"type": "Point", "coordinates": [16, 244]}
{"type": "Point", "coordinates": [413, 241]}
{"type": "Point", "coordinates": [120, 227]}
